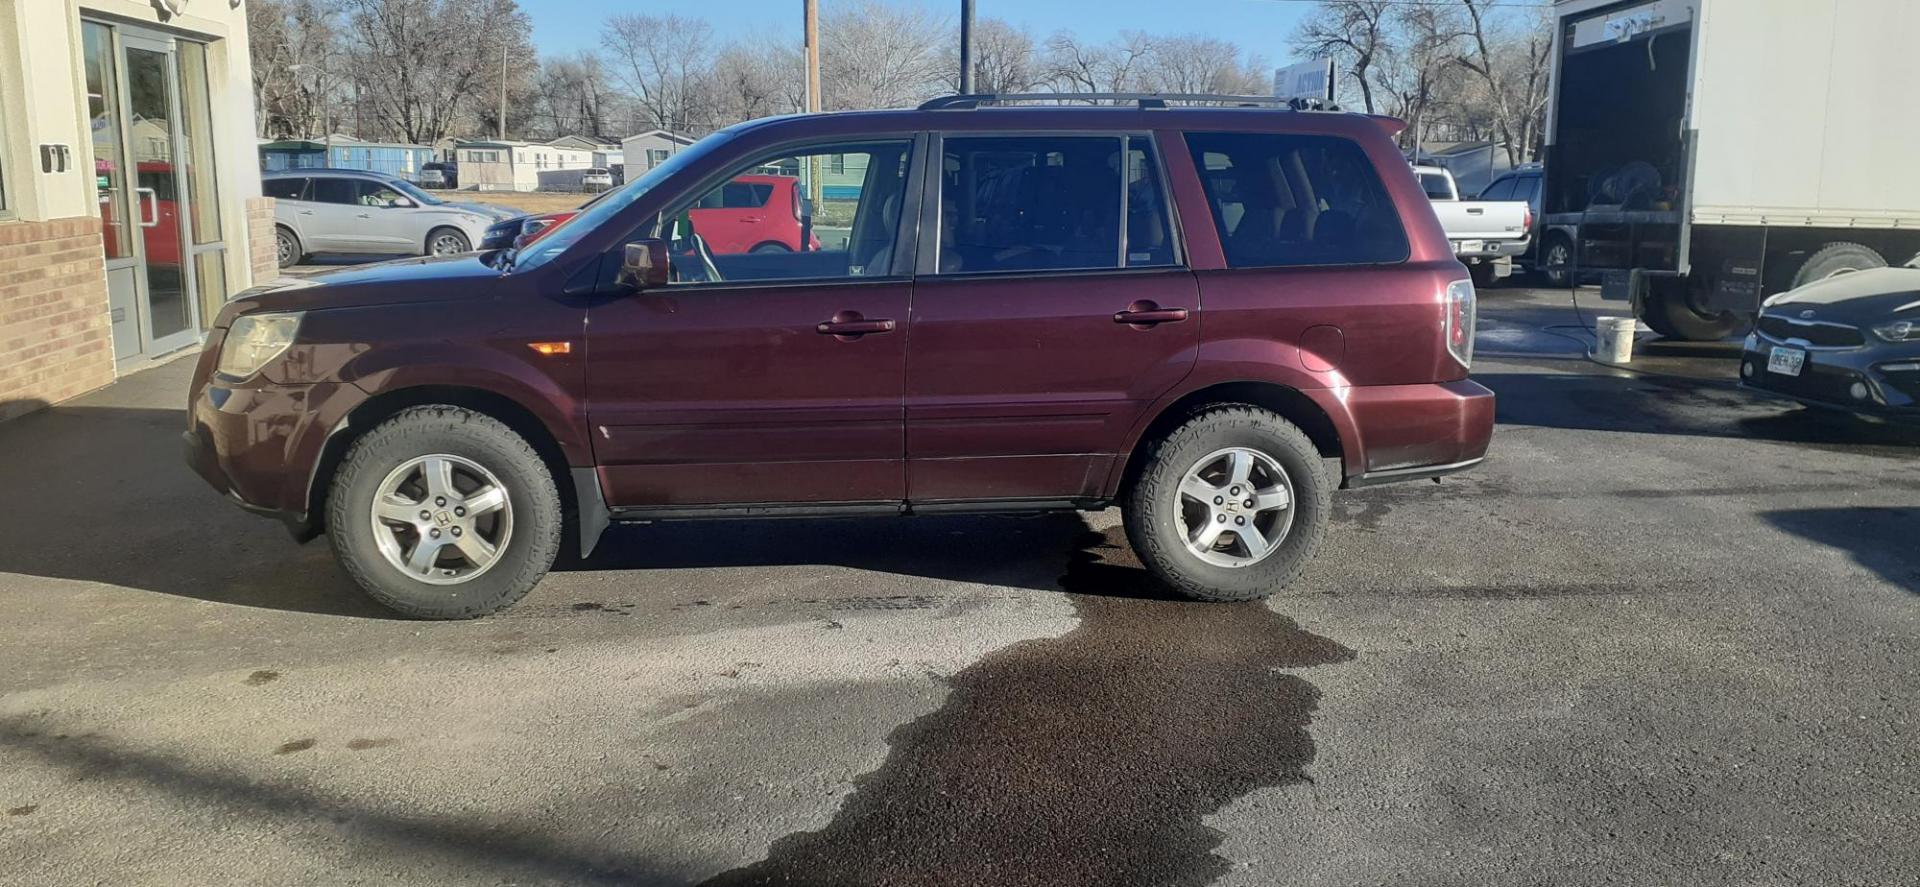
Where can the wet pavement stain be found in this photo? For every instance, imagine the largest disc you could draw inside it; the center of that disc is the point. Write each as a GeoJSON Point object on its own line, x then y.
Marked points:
{"type": "Point", "coordinates": [364, 744]}
{"type": "Point", "coordinates": [261, 677]}
{"type": "Point", "coordinates": [26, 810]}
{"type": "Point", "coordinates": [1090, 758]}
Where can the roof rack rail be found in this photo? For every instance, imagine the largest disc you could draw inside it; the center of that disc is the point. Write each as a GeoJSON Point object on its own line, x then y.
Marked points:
{"type": "Point", "coordinates": [1144, 100]}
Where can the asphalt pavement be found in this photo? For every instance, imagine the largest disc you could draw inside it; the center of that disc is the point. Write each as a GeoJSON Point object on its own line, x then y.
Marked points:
{"type": "Point", "coordinates": [1667, 635]}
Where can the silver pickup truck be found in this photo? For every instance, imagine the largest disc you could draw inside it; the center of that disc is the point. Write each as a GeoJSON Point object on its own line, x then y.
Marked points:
{"type": "Point", "coordinates": [1486, 234]}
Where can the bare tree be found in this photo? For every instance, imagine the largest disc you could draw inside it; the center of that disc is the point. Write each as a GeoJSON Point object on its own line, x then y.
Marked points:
{"type": "Point", "coordinates": [757, 78]}
{"type": "Point", "coordinates": [1073, 65]}
{"type": "Point", "coordinates": [665, 63]}
{"type": "Point", "coordinates": [1355, 34]}
{"type": "Point", "coordinates": [569, 97]}
{"type": "Point", "coordinates": [421, 67]}
{"type": "Point", "coordinates": [1196, 64]}
{"type": "Point", "coordinates": [1005, 59]}
{"type": "Point", "coordinates": [1513, 68]}
{"type": "Point", "coordinates": [296, 48]}
{"type": "Point", "coordinates": [1421, 64]}
{"type": "Point", "coordinates": [878, 56]}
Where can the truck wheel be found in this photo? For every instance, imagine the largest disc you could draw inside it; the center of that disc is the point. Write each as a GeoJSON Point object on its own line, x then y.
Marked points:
{"type": "Point", "coordinates": [1556, 261]}
{"type": "Point", "coordinates": [1835, 259]}
{"type": "Point", "coordinates": [1230, 506]}
{"type": "Point", "coordinates": [444, 513]}
{"type": "Point", "coordinates": [1670, 311]}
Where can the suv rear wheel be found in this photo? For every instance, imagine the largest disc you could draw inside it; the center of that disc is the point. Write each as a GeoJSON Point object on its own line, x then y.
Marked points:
{"type": "Point", "coordinates": [1230, 506]}
{"type": "Point", "coordinates": [444, 513]}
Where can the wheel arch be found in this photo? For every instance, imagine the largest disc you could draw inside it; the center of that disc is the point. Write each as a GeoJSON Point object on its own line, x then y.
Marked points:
{"type": "Point", "coordinates": [1283, 400]}
{"type": "Point", "coordinates": [380, 407]}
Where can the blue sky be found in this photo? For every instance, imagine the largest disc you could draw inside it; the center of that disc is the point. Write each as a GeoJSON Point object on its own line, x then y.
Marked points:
{"type": "Point", "coordinates": [1260, 26]}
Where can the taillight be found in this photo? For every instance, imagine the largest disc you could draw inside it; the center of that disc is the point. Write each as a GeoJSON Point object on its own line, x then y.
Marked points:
{"type": "Point", "coordinates": [1526, 218]}
{"type": "Point", "coordinates": [1462, 315]}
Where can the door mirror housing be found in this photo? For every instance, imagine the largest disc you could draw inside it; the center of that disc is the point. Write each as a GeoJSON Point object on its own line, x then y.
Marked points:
{"type": "Point", "coordinates": [644, 265]}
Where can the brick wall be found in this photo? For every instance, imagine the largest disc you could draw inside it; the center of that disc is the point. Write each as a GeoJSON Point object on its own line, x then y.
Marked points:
{"type": "Point", "coordinates": [261, 252]}
{"type": "Point", "coordinates": [56, 339]}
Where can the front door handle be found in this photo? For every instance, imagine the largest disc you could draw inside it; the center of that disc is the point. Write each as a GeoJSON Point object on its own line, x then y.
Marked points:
{"type": "Point", "coordinates": [150, 207]}
{"type": "Point", "coordinates": [1144, 314]}
{"type": "Point", "coordinates": [849, 325]}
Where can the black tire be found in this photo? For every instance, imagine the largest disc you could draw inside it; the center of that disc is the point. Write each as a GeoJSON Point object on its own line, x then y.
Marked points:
{"type": "Point", "coordinates": [771, 247]}
{"type": "Point", "coordinates": [453, 234]}
{"type": "Point", "coordinates": [1834, 259]}
{"type": "Point", "coordinates": [286, 244]}
{"type": "Point", "coordinates": [1556, 261]}
{"type": "Point", "coordinates": [1153, 517]}
{"type": "Point", "coordinates": [1669, 312]}
{"type": "Point", "coordinates": [528, 553]}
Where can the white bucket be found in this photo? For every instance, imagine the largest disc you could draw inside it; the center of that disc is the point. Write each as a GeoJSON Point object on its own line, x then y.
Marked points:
{"type": "Point", "coordinates": [1616, 339]}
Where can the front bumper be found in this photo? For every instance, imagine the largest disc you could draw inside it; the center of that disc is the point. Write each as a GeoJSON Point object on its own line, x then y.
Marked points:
{"type": "Point", "coordinates": [1880, 379]}
{"type": "Point", "coordinates": [260, 443]}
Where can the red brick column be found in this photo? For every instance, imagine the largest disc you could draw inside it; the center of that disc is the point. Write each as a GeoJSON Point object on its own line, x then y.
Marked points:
{"type": "Point", "coordinates": [56, 339]}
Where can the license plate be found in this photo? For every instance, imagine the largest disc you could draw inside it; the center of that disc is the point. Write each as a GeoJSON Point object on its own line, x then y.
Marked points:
{"type": "Point", "coordinates": [1786, 361]}
{"type": "Point", "coordinates": [1468, 246]}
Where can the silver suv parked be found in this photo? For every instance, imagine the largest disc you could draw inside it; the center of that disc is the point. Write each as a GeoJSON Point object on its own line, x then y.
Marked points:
{"type": "Point", "coordinates": [351, 211]}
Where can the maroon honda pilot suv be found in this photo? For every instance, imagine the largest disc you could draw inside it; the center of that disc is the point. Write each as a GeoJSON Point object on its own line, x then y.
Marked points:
{"type": "Point", "coordinates": [1209, 315]}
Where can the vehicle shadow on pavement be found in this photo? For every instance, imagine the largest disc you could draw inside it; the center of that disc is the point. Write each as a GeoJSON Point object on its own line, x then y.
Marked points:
{"type": "Point", "coordinates": [1647, 404]}
{"type": "Point", "coordinates": [1880, 539]}
{"type": "Point", "coordinates": [1089, 758]}
{"type": "Point", "coordinates": [1011, 551]}
{"type": "Point", "coordinates": [100, 494]}
{"type": "Point", "coordinates": [513, 854]}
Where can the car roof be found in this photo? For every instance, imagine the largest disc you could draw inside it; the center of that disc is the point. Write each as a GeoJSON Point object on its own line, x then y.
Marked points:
{"type": "Point", "coordinates": [328, 172]}
{"type": "Point", "coordinates": [1043, 118]}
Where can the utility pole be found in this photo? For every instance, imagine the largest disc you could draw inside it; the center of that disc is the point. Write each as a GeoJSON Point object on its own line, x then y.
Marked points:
{"type": "Point", "coordinates": [966, 47]}
{"type": "Point", "coordinates": [812, 23]}
{"type": "Point", "coordinates": [812, 19]}
{"type": "Point", "coordinates": [503, 90]}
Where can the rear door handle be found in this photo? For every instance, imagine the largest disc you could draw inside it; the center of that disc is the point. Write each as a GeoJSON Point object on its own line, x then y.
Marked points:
{"type": "Point", "coordinates": [849, 325]}
{"type": "Point", "coordinates": [1146, 314]}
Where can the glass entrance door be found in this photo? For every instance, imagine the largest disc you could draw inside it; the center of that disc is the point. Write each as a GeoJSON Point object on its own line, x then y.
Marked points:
{"type": "Point", "coordinates": [139, 171]}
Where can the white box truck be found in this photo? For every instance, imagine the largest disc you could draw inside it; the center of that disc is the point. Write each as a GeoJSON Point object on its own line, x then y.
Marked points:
{"type": "Point", "coordinates": [1703, 154]}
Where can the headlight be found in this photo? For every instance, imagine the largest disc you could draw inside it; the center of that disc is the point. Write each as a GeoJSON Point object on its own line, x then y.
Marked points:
{"type": "Point", "coordinates": [1899, 331]}
{"type": "Point", "coordinates": [254, 340]}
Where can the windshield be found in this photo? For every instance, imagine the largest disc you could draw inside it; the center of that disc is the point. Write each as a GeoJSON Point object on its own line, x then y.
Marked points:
{"type": "Point", "coordinates": [611, 203]}
{"type": "Point", "coordinates": [411, 190]}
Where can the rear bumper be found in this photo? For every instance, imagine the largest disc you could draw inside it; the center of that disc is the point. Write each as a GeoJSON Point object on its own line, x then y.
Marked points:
{"type": "Point", "coordinates": [1393, 433]}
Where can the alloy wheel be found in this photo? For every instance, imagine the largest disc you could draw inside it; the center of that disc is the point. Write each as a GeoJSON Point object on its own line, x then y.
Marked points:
{"type": "Point", "coordinates": [284, 247]}
{"type": "Point", "coordinates": [1235, 507]}
{"type": "Point", "coordinates": [449, 245]}
{"type": "Point", "coordinates": [441, 519]}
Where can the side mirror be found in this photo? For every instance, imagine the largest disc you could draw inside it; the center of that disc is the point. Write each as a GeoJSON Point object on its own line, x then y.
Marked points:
{"type": "Point", "coordinates": [644, 265]}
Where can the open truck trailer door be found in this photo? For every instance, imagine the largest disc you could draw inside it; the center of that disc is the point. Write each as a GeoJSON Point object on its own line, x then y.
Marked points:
{"type": "Point", "coordinates": [1704, 154]}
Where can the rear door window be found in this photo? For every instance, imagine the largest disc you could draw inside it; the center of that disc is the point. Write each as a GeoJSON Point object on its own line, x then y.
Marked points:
{"type": "Point", "coordinates": [1051, 203]}
{"type": "Point", "coordinates": [1286, 200]}
{"type": "Point", "coordinates": [284, 189]}
{"type": "Point", "coordinates": [330, 190]}
{"type": "Point", "coordinates": [1500, 190]}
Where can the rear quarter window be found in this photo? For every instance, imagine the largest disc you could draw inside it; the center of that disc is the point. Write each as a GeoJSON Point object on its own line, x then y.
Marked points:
{"type": "Point", "coordinates": [1281, 200]}
{"type": "Point", "coordinates": [283, 189]}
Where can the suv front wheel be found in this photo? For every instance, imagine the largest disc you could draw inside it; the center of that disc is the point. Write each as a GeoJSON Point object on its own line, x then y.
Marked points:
{"type": "Point", "coordinates": [444, 513]}
{"type": "Point", "coordinates": [1230, 506]}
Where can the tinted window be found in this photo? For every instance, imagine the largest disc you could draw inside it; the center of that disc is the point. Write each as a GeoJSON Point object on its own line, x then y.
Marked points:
{"type": "Point", "coordinates": [1436, 186]}
{"type": "Point", "coordinates": [738, 195]}
{"type": "Point", "coordinates": [334, 191]}
{"type": "Point", "coordinates": [1500, 190]}
{"type": "Point", "coordinates": [1046, 203]}
{"type": "Point", "coordinates": [283, 189]}
{"type": "Point", "coordinates": [1281, 200]}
